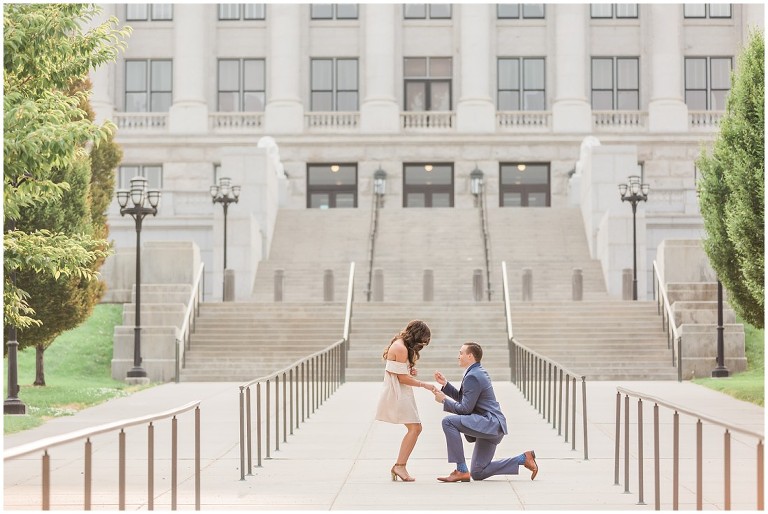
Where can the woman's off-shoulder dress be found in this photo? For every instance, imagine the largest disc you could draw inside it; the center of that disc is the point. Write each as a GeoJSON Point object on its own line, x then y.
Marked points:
{"type": "Point", "coordinates": [397, 403]}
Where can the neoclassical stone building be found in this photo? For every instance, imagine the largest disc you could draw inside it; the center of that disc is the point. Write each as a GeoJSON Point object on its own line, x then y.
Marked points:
{"type": "Point", "coordinates": [301, 103]}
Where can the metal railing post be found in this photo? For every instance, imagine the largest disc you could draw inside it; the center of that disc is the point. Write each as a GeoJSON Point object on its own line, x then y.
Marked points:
{"type": "Point", "coordinates": [584, 416]}
{"type": "Point", "coordinates": [640, 451]}
{"type": "Point", "coordinates": [197, 458]}
{"type": "Point", "coordinates": [87, 474]}
{"type": "Point", "coordinates": [656, 459]}
{"type": "Point", "coordinates": [150, 466]}
{"type": "Point", "coordinates": [617, 438]}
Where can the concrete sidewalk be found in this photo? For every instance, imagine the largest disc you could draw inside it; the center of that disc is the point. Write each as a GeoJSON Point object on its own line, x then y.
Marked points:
{"type": "Point", "coordinates": [340, 457]}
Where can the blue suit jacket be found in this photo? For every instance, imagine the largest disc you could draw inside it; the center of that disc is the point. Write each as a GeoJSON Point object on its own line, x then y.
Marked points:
{"type": "Point", "coordinates": [477, 402]}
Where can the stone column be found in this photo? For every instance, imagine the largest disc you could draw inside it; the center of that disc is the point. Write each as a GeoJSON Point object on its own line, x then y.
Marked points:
{"type": "Point", "coordinates": [103, 77]}
{"type": "Point", "coordinates": [571, 110]}
{"type": "Point", "coordinates": [189, 112]}
{"type": "Point", "coordinates": [379, 111]}
{"type": "Point", "coordinates": [667, 111]}
{"type": "Point", "coordinates": [284, 112]}
{"type": "Point", "coordinates": [475, 110]}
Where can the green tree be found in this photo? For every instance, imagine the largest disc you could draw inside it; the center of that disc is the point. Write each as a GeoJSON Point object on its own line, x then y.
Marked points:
{"type": "Point", "coordinates": [46, 50]}
{"type": "Point", "coordinates": [732, 188]}
{"type": "Point", "coordinates": [65, 303]}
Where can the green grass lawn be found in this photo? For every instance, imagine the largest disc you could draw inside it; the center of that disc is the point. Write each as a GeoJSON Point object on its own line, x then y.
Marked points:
{"type": "Point", "coordinates": [748, 385]}
{"type": "Point", "coordinates": [77, 372]}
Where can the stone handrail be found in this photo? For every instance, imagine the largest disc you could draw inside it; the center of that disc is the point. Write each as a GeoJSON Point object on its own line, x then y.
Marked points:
{"type": "Point", "coordinates": [50, 442]}
{"type": "Point", "coordinates": [674, 341]}
{"type": "Point", "coordinates": [705, 120]}
{"type": "Point", "coordinates": [333, 120]}
{"type": "Point", "coordinates": [141, 120]}
{"type": "Point", "coordinates": [729, 427]}
{"type": "Point", "coordinates": [188, 325]}
{"type": "Point", "coordinates": [430, 120]}
{"type": "Point", "coordinates": [226, 121]}
{"type": "Point", "coordinates": [524, 120]}
{"type": "Point", "coordinates": [617, 120]}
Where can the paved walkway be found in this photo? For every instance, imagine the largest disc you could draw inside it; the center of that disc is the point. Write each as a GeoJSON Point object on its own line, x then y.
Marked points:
{"type": "Point", "coordinates": [339, 459]}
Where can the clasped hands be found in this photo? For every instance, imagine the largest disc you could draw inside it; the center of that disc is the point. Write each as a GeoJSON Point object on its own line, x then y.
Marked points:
{"type": "Point", "coordinates": [439, 395]}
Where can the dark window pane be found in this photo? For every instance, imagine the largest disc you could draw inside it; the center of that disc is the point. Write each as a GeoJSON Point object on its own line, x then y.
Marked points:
{"type": "Point", "coordinates": [601, 10]}
{"type": "Point", "coordinates": [154, 175]}
{"type": "Point", "coordinates": [322, 11]}
{"type": "Point", "coordinates": [440, 67]}
{"type": "Point", "coordinates": [322, 101]}
{"type": "Point", "coordinates": [229, 75]}
{"type": "Point", "coordinates": [136, 102]}
{"type": "Point", "coordinates": [602, 73]}
{"type": "Point", "coordinates": [440, 96]}
{"type": "Point", "coordinates": [415, 96]}
{"type": "Point", "coordinates": [415, 200]}
{"type": "Point", "coordinates": [319, 200]}
{"type": "Point", "coordinates": [347, 101]}
{"type": "Point", "coordinates": [512, 200]}
{"type": "Point", "coordinates": [439, 11]}
{"type": "Point", "coordinates": [533, 10]}
{"type": "Point", "coordinates": [135, 76]}
{"type": "Point", "coordinates": [253, 75]}
{"type": "Point", "coordinates": [509, 101]}
{"type": "Point", "coordinates": [695, 73]}
{"type": "Point", "coordinates": [162, 11]}
{"type": "Point", "coordinates": [718, 99]}
{"type": "Point", "coordinates": [508, 10]}
{"type": "Point", "coordinates": [415, 10]}
{"type": "Point", "coordinates": [345, 200]}
{"type": "Point", "coordinates": [254, 102]}
{"type": "Point", "coordinates": [161, 102]}
{"type": "Point", "coordinates": [537, 199]}
{"type": "Point", "coordinates": [626, 10]}
{"type": "Point", "coordinates": [415, 67]}
{"type": "Point", "coordinates": [254, 11]}
{"type": "Point", "coordinates": [696, 100]}
{"type": "Point", "coordinates": [161, 76]}
{"type": "Point", "coordinates": [719, 10]}
{"type": "Point", "coordinates": [346, 74]}
{"type": "Point", "coordinates": [533, 73]}
{"type": "Point", "coordinates": [533, 101]}
{"type": "Point", "coordinates": [602, 100]}
{"type": "Point", "coordinates": [509, 73]}
{"type": "Point", "coordinates": [228, 102]}
{"type": "Point", "coordinates": [628, 101]}
{"type": "Point", "coordinates": [322, 74]}
{"type": "Point", "coordinates": [720, 73]}
{"type": "Point", "coordinates": [136, 12]}
{"type": "Point", "coordinates": [441, 200]}
{"type": "Point", "coordinates": [627, 74]}
{"type": "Point", "coordinates": [229, 11]}
{"type": "Point", "coordinates": [694, 10]}
{"type": "Point", "coordinates": [346, 11]}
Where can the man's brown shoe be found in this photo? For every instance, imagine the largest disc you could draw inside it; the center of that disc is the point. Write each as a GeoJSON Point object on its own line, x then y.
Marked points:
{"type": "Point", "coordinates": [455, 476]}
{"type": "Point", "coordinates": [530, 463]}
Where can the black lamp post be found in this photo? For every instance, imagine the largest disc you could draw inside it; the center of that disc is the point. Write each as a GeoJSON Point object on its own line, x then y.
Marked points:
{"type": "Point", "coordinates": [476, 181]}
{"type": "Point", "coordinates": [720, 371]}
{"type": "Point", "coordinates": [379, 185]}
{"type": "Point", "coordinates": [225, 193]}
{"type": "Point", "coordinates": [12, 404]}
{"type": "Point", "coordinates": [144, 202]}
{"type": "Point", "coordinates": [634, 192]}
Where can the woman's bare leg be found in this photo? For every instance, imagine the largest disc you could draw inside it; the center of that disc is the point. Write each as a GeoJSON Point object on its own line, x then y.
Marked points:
{"type": "Point", "coordinates": [409, 442]}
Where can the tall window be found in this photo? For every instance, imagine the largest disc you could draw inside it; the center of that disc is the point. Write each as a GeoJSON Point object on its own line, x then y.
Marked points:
{"type": "Point", "coordinates": [333, 11]}
{"type": "Point", "coordinates": [428, 185]}
{"type": "Point", "coordinates": [334, 85]}
{"type": "Point", "coordinates": [613, 10]}
{"type": "Point", "coordinates": [427, 11]}
{"type": "Point", "coordinates": [152, 172]}
{"type": "Point", "coordinates": [707, 82]}
{"type": "Point", "coordinates": [524, 184]}
{"type": "Point", "coordinates": [148, 12]}
{"type": "Point", "coordinates": [331, 186]}
{"type": "Point", "coordinates": [707, 10]}
{"type": "Point", "coordinates": [615, 83]}
{"type": "Point", "coordinates": [241, 85]}
{"type": "Point", "coordinates": [427, 83]}
{"type": "Point", "coordinates": [148, 85]}
{"type": "Point", "coordinates": [516, 11]}
{"type": "Point", "coordinates": [232, 12]}
{"type": "Point", "coordinates": [521, 84]}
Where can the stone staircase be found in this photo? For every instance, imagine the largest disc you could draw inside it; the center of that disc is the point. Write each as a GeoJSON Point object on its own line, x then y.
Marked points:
{"type": "Point", "coordinates": [600, 337]}
{"type": "Point", "coordinates": [237, 342]}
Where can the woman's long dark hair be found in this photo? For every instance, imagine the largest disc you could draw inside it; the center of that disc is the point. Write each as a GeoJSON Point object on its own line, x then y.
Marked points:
{"type": "Point", "coordinates": [416, 336]}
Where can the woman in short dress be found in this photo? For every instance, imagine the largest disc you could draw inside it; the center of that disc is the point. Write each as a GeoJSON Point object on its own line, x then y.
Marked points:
{"type": "Point", "coordinates": [397, 403]}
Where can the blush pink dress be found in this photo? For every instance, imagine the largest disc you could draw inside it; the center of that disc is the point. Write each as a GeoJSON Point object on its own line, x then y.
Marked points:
{"type": "Point", "coordinates": [397, 403]}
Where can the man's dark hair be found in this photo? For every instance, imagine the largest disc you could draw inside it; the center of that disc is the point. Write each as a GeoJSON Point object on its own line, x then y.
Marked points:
{"type": "Point", "coordinates": [475, 350]}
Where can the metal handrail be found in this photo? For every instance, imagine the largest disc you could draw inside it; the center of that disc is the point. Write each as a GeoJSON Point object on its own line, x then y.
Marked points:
{"type": "Point", "coordinates": [486, 239]}
{"type": "Point", "coordinates": [314, 378]}
{"type": "Point", "coordinates": [729, 427]}
{"type": "Point", "coordinates": [667, 322]}
{"type": "Point", "coordinates": [536, 376]}
{"type": "Point", "coordinates": [87, 433]}
{"type": "Point", "coordinates": [372, 243]}
{"type": "Point", "coordinates": [193, 310]}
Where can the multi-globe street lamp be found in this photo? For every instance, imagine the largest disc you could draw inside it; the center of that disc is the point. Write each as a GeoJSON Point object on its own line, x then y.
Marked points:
{"type": "Point", "coordinates": [225, 193]}
{"type": "Point", "coordinates": [634, 192]}
{"type": "Point", "coordinates": [143, 202]}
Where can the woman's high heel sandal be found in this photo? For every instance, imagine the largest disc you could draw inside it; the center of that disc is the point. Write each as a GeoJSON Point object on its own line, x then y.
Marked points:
{"type": "Point", "coordinates": [395, 475]}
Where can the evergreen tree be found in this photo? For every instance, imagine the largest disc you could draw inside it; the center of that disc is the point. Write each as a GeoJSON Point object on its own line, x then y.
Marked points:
{"type": "Point", "coordinates": [732, 188]}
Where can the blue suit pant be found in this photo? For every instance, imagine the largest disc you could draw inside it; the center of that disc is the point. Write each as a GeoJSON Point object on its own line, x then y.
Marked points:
{"type": "Point", "coordinates": [483, 465]}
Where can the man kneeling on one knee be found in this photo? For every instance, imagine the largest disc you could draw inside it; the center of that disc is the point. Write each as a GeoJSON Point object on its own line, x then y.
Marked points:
{"type": "Point", "coordinates": [477, 415]}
